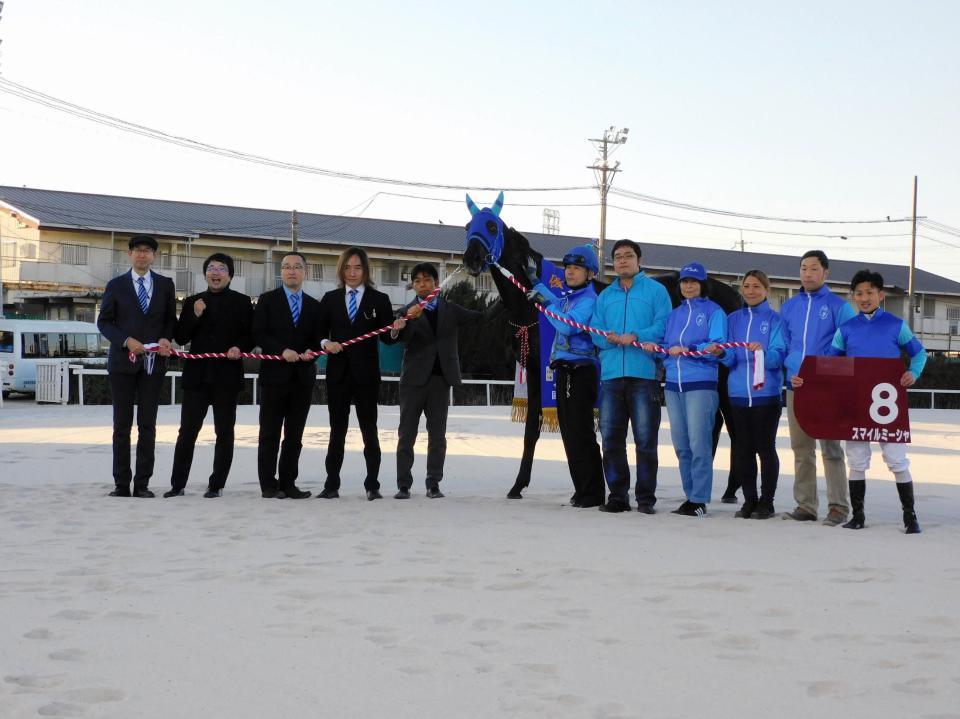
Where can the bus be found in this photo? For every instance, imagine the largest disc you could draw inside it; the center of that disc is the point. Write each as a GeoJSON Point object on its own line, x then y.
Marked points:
{"type": "Point", "coordinates": [23, 343]}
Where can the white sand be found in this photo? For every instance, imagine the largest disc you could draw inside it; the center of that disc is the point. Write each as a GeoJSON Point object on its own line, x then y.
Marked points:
{"type": "Point", "coordinates": [470, 606]}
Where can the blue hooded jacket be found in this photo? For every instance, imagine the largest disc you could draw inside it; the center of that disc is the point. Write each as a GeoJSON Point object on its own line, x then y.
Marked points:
{"type": "Point", "coordinates": [693, 325]}
{"type": "Point", "coordinates": [571, 344]}
{"type": "Point", "coordinates": [810, 321]}
{"type": "Point", "coordinates": [762, 324]}
{"type": "Point", "coordinates": [879, 335]}
{"type": "Point", "coordinates": [642, 310]}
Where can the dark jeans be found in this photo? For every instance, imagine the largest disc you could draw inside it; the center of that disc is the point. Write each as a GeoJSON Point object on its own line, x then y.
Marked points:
{"type": "Point", "coordinates": [364, 397]}
{"type": "Point", "coordinates": [576, 397]}
{"type": "Point", "coordinates": [636, 401]}
{"type": "Point", "coordinates": [126, 390]}
{"type": "Point", "coordinates": [196, 402]}
{"type": "Point", "coordinates": [282, 407]}
{"type": "Point", "coordinates": [756, 435]}
{"type": "Point", "coordinates": [432, 399]}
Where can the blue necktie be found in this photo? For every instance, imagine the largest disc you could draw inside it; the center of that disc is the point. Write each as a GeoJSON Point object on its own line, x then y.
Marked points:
{"type": "Point", "coordinates": [352, 305]}
{"type": "Point", "coordinates": [295, 308]}
{"type": "Point", "coordinates": [142, 295]}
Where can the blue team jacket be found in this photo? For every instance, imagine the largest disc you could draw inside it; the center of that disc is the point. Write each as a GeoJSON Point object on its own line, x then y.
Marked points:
{"type": "Point", "coordinates": [811, 320]}
{"type": "Point", "coordinates": [883, 335]}
{"type": "Point", "coordinates": [693, 325]}
{"type": "Point", "coordinates": [641, 311]}
{"type": "Point", "coordinates": [762, 324]}
{"type": "Point", "coordinates": [571, 344]}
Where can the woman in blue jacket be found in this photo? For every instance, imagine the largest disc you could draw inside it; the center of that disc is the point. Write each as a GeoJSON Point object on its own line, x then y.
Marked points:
{"type": "Point", "coordinates": [756, 410]}
{"type": "Point", "coordinates": [573, 358]}
{"type": "Point", "coordinates": [691, 386]}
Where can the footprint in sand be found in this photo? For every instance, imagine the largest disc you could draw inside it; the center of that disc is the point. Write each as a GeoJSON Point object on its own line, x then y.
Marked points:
{"type": "Point", "coordinates": [918, 686]}
{"type": "Point", "coordinates": [61, 709]}
{"type": "Point", "coordinates": [30, 682]}
{"type": "Point", "coordinates": [39, 633]}
{"type": "Point", "coordinates": [94, 695]}
{"type": "Point", "coordinates": [67, 655]}
{"type": "Point", "coordinates": [449, 618]}
{"type": "Point", "coordinates": [76, 615]}
{"type": "Point", "coordinates": [828, 688]}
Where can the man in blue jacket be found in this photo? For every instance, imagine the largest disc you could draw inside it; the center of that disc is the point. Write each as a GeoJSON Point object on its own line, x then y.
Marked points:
{"type": "Point", "coordinates": [632, 309]}
{"type": "Point", "coordinates": [811, 319]}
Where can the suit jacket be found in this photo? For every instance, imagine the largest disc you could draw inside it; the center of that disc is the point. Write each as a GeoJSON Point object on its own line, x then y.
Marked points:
{"type": "Point", "coordinates": [359, 362]}
{"type": "Point", "coordinates": [121, 318]}
{"type": "Point", "coordinates": [274, 331]}
{"type": "Point", "coordinates": [423, 347]}
{"type": "Point", "coordinates": [226, 322]}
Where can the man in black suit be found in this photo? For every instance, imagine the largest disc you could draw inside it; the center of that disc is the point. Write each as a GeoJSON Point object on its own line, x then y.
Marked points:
{"type": "Point", "coordinates": [138, 307]}
{"type": "Point", "coordinates": [216, 320]}
{"type": "Point", "coordinates": [353, 372]}
{"type": "Point", "coordinates": [431, 365]}
{"type": "Point", "coordinates": [285, 323]}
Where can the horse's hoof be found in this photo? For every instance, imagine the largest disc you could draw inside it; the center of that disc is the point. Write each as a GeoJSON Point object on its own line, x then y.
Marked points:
{"type": "Point", "coordinates": [514, 494]}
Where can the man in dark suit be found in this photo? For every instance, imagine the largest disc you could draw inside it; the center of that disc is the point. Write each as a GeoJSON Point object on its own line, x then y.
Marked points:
{"type": "Point", "coordinates": [431, 365]}
{"type": "Point", "coordinates": [353, 372]}
{"type": "Point", "coordinates": [216, 320]}
{"type": "Point", "coordinates": [285, 323]}
{"type": "Point", "coordinates": [138, 307]}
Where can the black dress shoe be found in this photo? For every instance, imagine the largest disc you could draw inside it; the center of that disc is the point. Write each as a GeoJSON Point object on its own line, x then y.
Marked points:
{"type": "Point", "coordinates": [373, 494]}
{"type": "Point", "coordinates": [402, 493]}
{"type": "Point", "coordinates": [729, 499]}
{"type": "Point", "coordinates": [615, 507]}
{"type": "Point", "coordinates": [269, 494]}
{"type": "Point", "coordinates": [646, 509]}
{"type": "Point", "coordinates": [328, 494]}
{"type": "Point", "coordinates": [173, 493]}
{"type": "Point", "coordinates": [293, 493]}
{"type": "Point", "coordinates": [434, 492]}
{"type": "Point", "coordinates": [212, 493]}
{"type": "Point", "coordinates": [119, 492]}
{"type": "Point", "coordinates": [144, 494]}
{"type": "Point", "coordinates": [590, 503]}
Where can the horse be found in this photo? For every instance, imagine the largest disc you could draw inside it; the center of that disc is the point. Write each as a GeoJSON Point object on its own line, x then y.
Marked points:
{"type": "Point", "coordinates": [490, 240]}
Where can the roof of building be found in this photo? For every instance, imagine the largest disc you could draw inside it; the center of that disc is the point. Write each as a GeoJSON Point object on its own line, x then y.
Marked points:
{"type": "Point", "coordinates": [77, 210]}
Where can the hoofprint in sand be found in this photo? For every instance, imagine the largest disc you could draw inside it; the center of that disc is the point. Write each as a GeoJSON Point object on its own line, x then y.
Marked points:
{"type": "Point", "coordinates": [468, 606]}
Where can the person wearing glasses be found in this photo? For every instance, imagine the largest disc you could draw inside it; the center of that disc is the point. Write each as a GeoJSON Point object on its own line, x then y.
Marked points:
{"type": "Point", "coordinates": [139, 307]}
{"type": "Point", "coordinates": [218, 319]}
{"type": "Point", "coordinates": [573, 358]}
{"type": "Point", "coordinates": [286, 323]}
{"type": "Point", "coordinates": [634, 308]}
{"type": "Point", "coordinates": [353, 372]}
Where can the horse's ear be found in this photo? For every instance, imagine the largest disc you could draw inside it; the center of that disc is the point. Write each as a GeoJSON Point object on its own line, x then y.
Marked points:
{"type": "Point", "coordinates": [498, 205]}
{"type": "Point", "coordinates": [472, 206]}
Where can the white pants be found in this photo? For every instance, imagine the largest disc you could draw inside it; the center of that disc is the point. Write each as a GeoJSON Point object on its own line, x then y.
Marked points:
{"type": "Point", "coordinates": [894, 454]}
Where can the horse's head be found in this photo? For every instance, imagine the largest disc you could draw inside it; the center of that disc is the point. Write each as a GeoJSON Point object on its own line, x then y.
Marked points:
{"type": "Point", "coordinates": [484, 236]}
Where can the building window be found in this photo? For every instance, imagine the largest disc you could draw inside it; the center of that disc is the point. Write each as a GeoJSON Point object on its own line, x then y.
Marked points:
{"type": "Point", "coordinates": [237, 267]}
{"type": "Point", "coordinates": [315, 271]}
{"type": "Point", "coordinates": [953, 317]}
{"type": "Point", "coordinates": [929, 309]}
{"type": "Point", "coordinates": [73, 254]}
{"type": "Point", "coordinates": [390, 274]}
{"type": "Point", "coordinates": [28, 251]}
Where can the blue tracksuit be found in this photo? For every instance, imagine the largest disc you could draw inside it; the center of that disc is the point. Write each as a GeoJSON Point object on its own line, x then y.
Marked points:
{"type": "Point", "coordinates": [755, 324]}
{"type": "Point", "coordinates": [642, 310]}
{"type": "Point", "coordinates": [693, 325]}
{"type": "Point", "coordinates": [571, 344]}
{"type": "Point", "coordinates": [811, 320]}
{"type": "Point", "coordinates": [879, 335]}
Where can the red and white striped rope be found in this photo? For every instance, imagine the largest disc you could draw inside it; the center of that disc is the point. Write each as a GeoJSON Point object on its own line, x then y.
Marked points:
{"type": "Point", "coordinates": [758, 373]}
{"type": "Point", "coordinates": [154, 347]}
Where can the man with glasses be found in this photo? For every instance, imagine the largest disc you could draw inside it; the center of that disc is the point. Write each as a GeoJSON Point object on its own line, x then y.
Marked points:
{"type": "Point", "coordinates": [139, 307]}
{"type": "Point", "coordinates": [634, 308]}
{"type": "Point", "coordinates": [285, 323]}
{"type": "Point", "coordinates": [216, 320]}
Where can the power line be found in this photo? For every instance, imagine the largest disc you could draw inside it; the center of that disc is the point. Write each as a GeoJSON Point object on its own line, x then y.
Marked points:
{"type": "Point", "coordinates": [84, 113]}
{"type": "Point", "coordinates": [743, 215]}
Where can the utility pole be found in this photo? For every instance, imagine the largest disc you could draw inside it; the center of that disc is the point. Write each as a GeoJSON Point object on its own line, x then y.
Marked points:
{"type": "Point", "coordinates": [606, 172]}
{"type": "Point", "coordinates": [913, 258]}
{"type": "Point", "coordinates": [294, 230]}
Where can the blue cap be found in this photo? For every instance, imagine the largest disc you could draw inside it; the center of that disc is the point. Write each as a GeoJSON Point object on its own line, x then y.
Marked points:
{"type": "Point", "coordinates": [693, 270]}
{"type": "Point", "coordinates": [582, 255]}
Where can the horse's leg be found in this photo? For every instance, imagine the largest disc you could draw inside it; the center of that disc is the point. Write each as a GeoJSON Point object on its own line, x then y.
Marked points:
{"type": "Point", "coordinates": [531, 430]}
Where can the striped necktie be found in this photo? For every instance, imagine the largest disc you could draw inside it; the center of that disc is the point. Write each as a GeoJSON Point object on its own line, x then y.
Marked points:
{"type": "Point", "coordinates": [352, 305]}
{"type": "Point", "coordinates": [142, 295]}
{"type": "Point", "coordinates": [295, 308]}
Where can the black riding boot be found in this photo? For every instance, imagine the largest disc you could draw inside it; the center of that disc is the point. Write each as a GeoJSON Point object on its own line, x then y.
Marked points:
{"type": "Point", "coordinates": [858, 490]}
{"type": "Point", "coordinates": [910, 523]}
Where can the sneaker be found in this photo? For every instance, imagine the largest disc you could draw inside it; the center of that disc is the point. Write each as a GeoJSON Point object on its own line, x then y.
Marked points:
{"type": "Point", "coordinates": [682, 509]}
{"type": "Point", "coordinates": [800, 515]}
{"type": "Point", "coordinates": [834, 517]}
{"type": "Point", "coordinates": [433, 492]}
{"type": "Point", "coordinates": [614, 507]}
{"type": "Point", "coordinates": [402, 493]}
{"type": "Point", "coordinates": [746, 511]}
{"type": "Point", "coordinates": [763, 511]}
{"type": "Point", "coordinates": [694, 509]}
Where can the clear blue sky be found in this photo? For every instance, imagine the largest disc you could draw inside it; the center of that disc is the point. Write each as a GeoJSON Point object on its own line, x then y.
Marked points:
{"type": "Point", "coordinates": [811, 110]}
